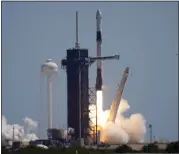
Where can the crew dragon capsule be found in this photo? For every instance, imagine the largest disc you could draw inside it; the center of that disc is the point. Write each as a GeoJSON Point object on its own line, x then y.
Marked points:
{"type": "Point", "coordinates": [99, 81]}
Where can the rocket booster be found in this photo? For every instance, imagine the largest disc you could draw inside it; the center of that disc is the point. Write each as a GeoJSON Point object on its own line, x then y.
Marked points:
{"type": "Point", "coordinates": [99, 43]}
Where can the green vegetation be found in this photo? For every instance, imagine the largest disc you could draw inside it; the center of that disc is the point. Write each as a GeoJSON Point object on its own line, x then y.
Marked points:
{"type": "Point", "coordinates": [123, 149]}
{"type": "Point", "coordinates": [150, 148]}
{"type": "Point", "coordinates": [172, 147]}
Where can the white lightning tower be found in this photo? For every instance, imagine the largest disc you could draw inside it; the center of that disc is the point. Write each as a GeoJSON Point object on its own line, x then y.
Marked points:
{"type": "Point", "coordinates": [48, 69]}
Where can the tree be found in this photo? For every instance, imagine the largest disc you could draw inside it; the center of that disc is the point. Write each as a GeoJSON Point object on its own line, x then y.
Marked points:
{"type": "Point", "coordinates": [150, 148]}
{"type": "Point", "coordinates": [4, 150]}
{"type": "Point", "coordinates": [172, 147]}
{"type": "Point", "coordinates": [123, 149]}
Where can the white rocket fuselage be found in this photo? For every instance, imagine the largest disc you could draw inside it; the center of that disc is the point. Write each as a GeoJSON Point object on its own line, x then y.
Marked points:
{"type": "Point", "coordinates": [99, 43]}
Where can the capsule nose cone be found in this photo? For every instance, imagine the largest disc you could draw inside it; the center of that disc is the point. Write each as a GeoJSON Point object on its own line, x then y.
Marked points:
{"type": "Point", "coordinates": [98, 14]}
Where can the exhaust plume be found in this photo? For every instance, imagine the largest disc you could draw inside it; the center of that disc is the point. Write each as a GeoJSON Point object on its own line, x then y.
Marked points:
{"type": "Point", "coordinates": [125, 129]}
{"type": "Point", "coordinates": [16, 132]}
{"type": "Point", "coordinates": [30, 124]}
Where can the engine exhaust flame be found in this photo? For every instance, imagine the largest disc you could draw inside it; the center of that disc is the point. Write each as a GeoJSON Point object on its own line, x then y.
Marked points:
{"type": "Point", "coordinates": [124, 130]}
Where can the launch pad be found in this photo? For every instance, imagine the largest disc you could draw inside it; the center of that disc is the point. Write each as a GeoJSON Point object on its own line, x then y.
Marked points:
{"type": "Point", "coordinates": [77, 68]}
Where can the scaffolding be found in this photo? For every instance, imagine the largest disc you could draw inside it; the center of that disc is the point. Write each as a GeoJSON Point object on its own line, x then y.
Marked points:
{"type": "Point", "coordinates": [92, 101]}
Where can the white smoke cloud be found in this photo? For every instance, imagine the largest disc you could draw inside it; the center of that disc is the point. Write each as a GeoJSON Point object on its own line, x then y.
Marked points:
{"type": "Point", "coordinates": [114, 134]}
{"type": "Point", "coordinates": [30, 125]}
{"type": "Point", "coordinates": [30, 137]}
{"type": "Point", "coordinates": [125, 129]}
{"type": "Point", "coordinates": [16, 132]}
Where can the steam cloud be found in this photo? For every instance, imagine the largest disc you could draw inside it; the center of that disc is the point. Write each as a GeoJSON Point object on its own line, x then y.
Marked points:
{"type": "Point", "coordinates": [125, 129]}
{"type": "Point", "coordinates": [21, 133]}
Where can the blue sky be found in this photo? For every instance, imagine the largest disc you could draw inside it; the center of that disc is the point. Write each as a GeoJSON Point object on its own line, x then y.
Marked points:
{"type": "Point", "coordinates": [145, 34]}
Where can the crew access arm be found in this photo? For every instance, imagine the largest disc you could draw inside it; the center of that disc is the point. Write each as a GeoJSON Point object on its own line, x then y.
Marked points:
{"type": "Point", "coordinates": [116, 102]}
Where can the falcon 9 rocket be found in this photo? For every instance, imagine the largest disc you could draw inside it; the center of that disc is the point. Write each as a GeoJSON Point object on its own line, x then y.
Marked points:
{"type": "Point", "coordinates": [99, 81]}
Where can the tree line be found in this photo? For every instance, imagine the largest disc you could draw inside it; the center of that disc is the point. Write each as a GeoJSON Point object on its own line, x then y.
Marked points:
{"type": "Point", "coordinates": [172, 147]}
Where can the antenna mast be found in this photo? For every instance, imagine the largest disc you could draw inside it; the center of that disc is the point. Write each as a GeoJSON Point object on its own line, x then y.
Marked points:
{"type": "Point", "coordinates": [13, 134]}
{"type": "Point", "coordinates": [77, 45]}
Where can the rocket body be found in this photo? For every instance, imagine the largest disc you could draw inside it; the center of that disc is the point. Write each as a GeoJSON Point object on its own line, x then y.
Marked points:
{"type": "Point", "coordinates": [99, 81]}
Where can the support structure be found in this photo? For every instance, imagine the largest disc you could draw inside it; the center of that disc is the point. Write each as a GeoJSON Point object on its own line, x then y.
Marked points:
{"type": "Point", "coordinates": [150, 127]}
{"type": "Point", "coordinates": [92, 101]}
{"type": "Point", "coordinates": [49, 93]}
{"type": "Point", "coordinates": [117, 100]}
{"type": "Point", "coordinates": [92, 95]}
{"type": "Point", "coordinates": [76, 66]}
{"type": "Point", "coordinates": [77, 90]}
{"type": "Point", "coordinates": [13, 139]}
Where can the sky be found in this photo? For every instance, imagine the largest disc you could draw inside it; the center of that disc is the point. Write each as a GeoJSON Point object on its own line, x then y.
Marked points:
{"type": "Point", "coordinates": [145, 34]}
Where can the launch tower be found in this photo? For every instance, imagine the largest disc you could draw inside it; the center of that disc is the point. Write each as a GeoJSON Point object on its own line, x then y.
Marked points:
{"type": "Point", "coordinates": [74, 88]}
{"type": "Point", "coordinates": [77, 88]}
{"type": "Point", "coordinates": [76, 65]}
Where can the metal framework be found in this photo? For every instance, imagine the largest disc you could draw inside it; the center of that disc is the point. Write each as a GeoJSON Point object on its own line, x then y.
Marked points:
{"type": "Point", "coordinates": [77, 82]}
{"type": "Point", "coordinates": [81, 62]}
{"type": "Point", "coordinates": [92, 95]}
{"type": "Point", "coordinates": [92, 100]}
